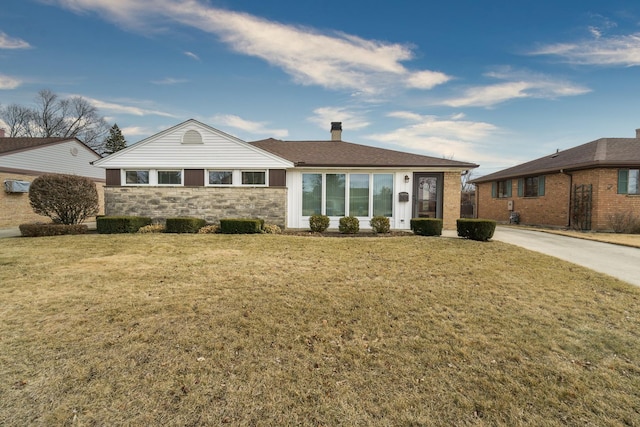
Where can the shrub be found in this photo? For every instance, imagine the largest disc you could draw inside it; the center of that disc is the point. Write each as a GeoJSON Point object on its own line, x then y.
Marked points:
{"type": "Point", "coordinates": [624, 222]}
{"type": "Point", "coordinates": [318, 223]}
{"type": "Point", "coordinates": [209, 229]}
{"type": "Point", "coordinates": [184, 225]}
{"type": "Point", "coordinates": [272, 229]}
{"type": "Point", "coordinates": [349, 225]}
{"type": "Point", "coordinates": [152, 228]}
{"type": "Point", "coordinates": [121, 224]}
{"type": "Point", "coordinates": [39, 230]}
{"type": "Point", "coordinates": [241, 225]}
{"type": "Point", "coordinates": [66, 199]}
{"type": "Point", "coordinates": [426, 226]}
{"type": "Point", "coordinates": [380, 224]}
{"type": "Point", "coordinates": [476, 229]}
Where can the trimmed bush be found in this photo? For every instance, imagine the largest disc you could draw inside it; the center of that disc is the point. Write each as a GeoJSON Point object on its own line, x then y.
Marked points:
{"type": "Point", "coordinates": [66, 199]}
{"type": "Point", "coordinates": [476, 229]}
{"type": "Point", "coordinates": [318, 223]}
{"type": "Point", "coordinates": [426, 226]}
{"type": "Point", "coordinates": [153, 228]}
{"type": "Point", "coordinates": [184, 225]}
{"type": "Point", "coordinates": [121, 224]}
{"type": "Point", "coordinates": [380, 224]}
{"type": "Point", "coordinates": [349, 225]}
{"type": "Point", "coordinates": [241, 225]}
{"type": "Point", "coordinates": [40, 230]}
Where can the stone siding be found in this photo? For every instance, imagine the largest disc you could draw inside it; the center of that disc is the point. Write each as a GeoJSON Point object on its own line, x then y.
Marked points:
{"type": "Point", "coordinates": [15, 208]}
{"type": "Point", "coordinates": [209, 203]}
{"type": "Point", "coordinates": [451, 200]}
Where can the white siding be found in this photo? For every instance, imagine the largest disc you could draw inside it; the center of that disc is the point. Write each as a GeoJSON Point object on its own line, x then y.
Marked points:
{"type": "Point", "coordinates": [217, 151]}
{"type": "Point", "coordinates": [69, 157]}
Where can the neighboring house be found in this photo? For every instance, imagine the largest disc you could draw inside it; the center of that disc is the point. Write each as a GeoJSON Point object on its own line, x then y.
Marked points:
{"type": "Point", "coordinates": [195, 170]}
{"type": "Point", "coordinates": [583, 187]}
{"type": "Point", "coordinates": [24, 159]}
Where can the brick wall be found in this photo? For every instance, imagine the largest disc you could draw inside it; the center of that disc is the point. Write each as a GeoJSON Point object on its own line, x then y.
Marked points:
{"type": "Point", "coordinates": [209, 203]}
{"type": "Point", "coordinates": [15, 208]}
{"type": "Point", "coordinates": [553, 208]}
{"type": "Point", "coordinates": [451, 200]}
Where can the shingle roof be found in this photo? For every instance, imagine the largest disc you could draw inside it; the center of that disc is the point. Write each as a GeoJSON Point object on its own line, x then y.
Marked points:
{"type": "Point", "coordinates": [603, 152]}
{"type": "Point", "coordinates": [22, 143]}
{"type": "Point", "coordinates": [347, 154]}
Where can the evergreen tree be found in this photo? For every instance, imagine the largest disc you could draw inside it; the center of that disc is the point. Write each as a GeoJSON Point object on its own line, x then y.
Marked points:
{"type": "Point", "coordinates": [115, 141]}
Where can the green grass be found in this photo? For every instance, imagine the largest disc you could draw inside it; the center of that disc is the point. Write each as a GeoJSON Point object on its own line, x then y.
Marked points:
{"type": "Point", "coordinates": [164, 329]}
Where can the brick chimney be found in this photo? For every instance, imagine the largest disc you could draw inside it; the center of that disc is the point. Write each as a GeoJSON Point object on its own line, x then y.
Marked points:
{"type": "Point", "coordinates": [336, 131]}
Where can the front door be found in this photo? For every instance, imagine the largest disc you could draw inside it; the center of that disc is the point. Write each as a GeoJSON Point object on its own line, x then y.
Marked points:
{"type": "Point", "coordinates": [427, 195]}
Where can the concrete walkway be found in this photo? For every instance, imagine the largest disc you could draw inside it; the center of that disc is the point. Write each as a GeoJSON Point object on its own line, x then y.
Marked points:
{"type": "Point", "coordinates": [618, 261]}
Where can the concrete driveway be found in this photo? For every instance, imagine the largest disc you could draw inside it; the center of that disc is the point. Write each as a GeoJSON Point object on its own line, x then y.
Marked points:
{"type": "Point", "coordinates": [618, 261]}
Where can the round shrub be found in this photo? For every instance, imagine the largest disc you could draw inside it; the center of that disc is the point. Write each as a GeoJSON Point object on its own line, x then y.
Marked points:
{"type": "Point", "coordinates": [66, 199]}
{"type": "Point", "coordinates": [349, 225]}
{"type": "Point", "coordinates": [476, 229]}
{"type": "Point", "coordinates": [380, 224]}
{"type": "Point", "coordinates": [426, 226]}
{"type": "Point", "coordinates": [318, 223]}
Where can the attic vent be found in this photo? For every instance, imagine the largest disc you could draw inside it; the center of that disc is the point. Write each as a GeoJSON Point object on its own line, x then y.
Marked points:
{"type": "Point", "coordinates": [192, 137]}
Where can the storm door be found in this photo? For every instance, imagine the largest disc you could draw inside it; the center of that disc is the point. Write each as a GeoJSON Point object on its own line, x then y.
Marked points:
{"type": "Point", "coordinates": [427, 195]}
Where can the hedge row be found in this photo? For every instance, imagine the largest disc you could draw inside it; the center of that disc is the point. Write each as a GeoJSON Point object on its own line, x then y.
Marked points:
{"type": "Point", "coordinates": [121, 224]}
{"type": "Point", "coordinates": [41, 230]}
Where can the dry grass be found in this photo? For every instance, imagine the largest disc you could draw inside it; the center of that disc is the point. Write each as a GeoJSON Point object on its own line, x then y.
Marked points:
{"type": "Point", "coordinates": [161, 329]}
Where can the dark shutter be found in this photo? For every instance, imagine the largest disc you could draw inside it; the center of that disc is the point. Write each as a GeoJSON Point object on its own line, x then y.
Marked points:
{"type": "Point", "coordinates": [623, 181]}
{"type": "Point", "coordinates": [113, 177]}
{"type": "Point", "coordinates": [277, 178]}
{"type": "Point", "coordinates": [194, 177]}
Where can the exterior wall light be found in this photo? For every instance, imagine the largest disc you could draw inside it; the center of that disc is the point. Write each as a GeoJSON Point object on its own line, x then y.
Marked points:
{"type": "Point", "coordinates": [406, 179]}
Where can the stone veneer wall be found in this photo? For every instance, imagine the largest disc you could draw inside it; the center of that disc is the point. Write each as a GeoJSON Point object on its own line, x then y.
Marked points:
{"type": "Point", "coordinates": [209, 203]}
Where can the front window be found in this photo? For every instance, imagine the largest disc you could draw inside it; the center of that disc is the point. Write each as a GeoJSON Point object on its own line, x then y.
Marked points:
{"type": "Point", "coordinates": [531, 186]}
{"type": "Point", "coordinates": [335, 203]}
{"type": "Point", "coordinates": [359, 194]}
{"type": "Point", "coordinates": [311, 194]}
{"type": "Point", "coordinates": [137, 177]}
{"type": "Point", "coordinates": [170, 177]}
{"type": "Point", "coordinates": [634, 181]}
{"type": "Point", "coordinates": [220, 177]}
{"type": "Point", "coordinates": [254, 178]}
{"type": "Point", "coordinates": [504, 189]}
{"type": "Point", "coordinates": [383, 195]}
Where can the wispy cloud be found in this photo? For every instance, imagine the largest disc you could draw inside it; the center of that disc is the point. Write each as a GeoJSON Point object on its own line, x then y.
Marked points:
{"type": "Point", "coordinates": [449, 137]}
{"type": "Point", "coordinates": [515, 85]}
{"type": "Point", "coordinates": [169, 81]}
{"type": "Point", "coordinates": [8, 82]}
{"type": "Point", "coordinates": [192, 55]}
{"type": "Point", "coordinates": [351, 119]}
{"type": "Point", "coordinates": [7, 42]}
{"type": "Point", "coordinates": [258, 128]}
{"type": "Point", "coordinates": [618, 50]}
{"type": "Point", "coordinates": [136, 131]}
{"type": "Point", "coordinates": [126, 109]}
{"type": "Point", "coordinates": [333, 60]}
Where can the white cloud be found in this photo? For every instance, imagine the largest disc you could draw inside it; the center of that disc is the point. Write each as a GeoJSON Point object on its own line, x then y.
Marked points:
{"type": "Point", "coordinates": [136, 131]}
{"type": "Point", "coordinates": [126, 109]}
{"type": "Point", "coordinates": [192, 55]}
{"type": "Point", "coordinates": [517, 85]}
{"type": "Point", "coordinates": [620, 50]}
{"type": "Point", "coordinates": [332, 60]}
{"type": "Point", "coordinates": [7, 42]}
{"type": "Point", "coordinates": [351, 120]}
{"type": "Point", "coordinates": [169, 81]}
{"type": "Point", "coordinates": [260, 128]}
{"type": "Point", "coordinates": [8, 82]}
{"type": "Point", "coordinates": [448, 137]}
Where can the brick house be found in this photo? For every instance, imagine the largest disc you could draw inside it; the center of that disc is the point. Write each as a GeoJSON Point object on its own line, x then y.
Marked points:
{"type": "Point", "coordinates": [24, 159]}
{"type": "Point", "coordinates": [195, 170]}
{"type": "Point", "coordinates": [582, 188]}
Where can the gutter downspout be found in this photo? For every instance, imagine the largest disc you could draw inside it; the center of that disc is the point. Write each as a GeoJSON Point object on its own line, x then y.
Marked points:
{"type": "Point", "coordinates": [570, 196]}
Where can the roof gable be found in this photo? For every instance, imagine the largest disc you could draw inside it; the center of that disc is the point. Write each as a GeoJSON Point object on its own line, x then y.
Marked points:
{"type": "Point", "coordinates": [347, 154]}
{"type": "Point", "coordinates": [192, 144]}
{"type": "Point", "coordinates": [16, 144]}
{"type": "Point", "coordinates": [603, 152]}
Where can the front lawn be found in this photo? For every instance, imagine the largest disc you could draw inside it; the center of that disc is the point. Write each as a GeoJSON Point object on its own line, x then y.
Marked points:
{"type": "Point", "coordinates": [162, 329]}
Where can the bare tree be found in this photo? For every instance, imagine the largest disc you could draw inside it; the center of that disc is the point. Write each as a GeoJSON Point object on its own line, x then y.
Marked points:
{"type": "Point", "coordinates": [54, 117]}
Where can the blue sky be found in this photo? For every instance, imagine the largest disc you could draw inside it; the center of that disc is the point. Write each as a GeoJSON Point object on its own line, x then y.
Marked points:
{"type": "Point", "coordinates": [490, 82]}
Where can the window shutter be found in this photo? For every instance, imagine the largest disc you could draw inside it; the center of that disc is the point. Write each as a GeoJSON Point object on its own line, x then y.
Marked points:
{"type": "Point", "coordinates": [494, 189]}
{"type": "Point", "coordinates": [541, 185]}
{"type": "Point", "coordinates": [520, 187]}
{"type": "Point", "coordinates": [623, 181]}
{"type": "Point", "coordinates": [508, 184]}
